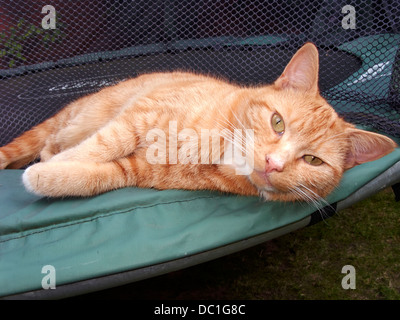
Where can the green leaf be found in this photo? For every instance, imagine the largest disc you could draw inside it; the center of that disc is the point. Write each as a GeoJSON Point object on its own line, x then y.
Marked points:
{"type": "Point", "coordinates": [20, 23]}
{"type": "Point", "coordinates": [27, 34]}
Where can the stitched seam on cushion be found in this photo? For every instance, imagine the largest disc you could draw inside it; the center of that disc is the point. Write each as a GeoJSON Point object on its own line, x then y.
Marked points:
{"type": "Point", "coordinates": [103, 215]}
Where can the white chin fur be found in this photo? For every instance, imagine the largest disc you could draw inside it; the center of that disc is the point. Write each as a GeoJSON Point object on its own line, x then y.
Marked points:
{"type": "Point", "coordinates": [264, 195]}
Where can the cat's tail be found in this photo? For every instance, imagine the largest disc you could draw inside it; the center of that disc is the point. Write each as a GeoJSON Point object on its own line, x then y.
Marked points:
{"type": "Point", "coordinates": [27, 147]}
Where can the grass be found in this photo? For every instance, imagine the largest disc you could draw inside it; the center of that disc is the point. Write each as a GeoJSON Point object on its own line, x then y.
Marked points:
{"type": "Point", "coordinates": [305, 264]}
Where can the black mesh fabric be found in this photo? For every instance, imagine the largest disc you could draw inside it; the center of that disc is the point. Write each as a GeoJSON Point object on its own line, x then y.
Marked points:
{"type": "Point", "coordinates": [98, 43]}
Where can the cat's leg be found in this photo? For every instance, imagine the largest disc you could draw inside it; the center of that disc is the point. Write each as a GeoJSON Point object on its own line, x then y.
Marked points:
{"type": "Point", "coordinates": [74, 178]}
{"type": "Point", "coordinates": [27, 147]}
{"type": "Point", "coordinates": [115, 140]}
{"type": "Point", "coordinates": [77, 178]}
{"type": "Point", "coordinates": [66, 138]}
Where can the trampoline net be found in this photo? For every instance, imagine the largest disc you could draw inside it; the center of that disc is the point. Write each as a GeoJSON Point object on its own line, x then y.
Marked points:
{"type": "Point", "coordinates": [48, 59]}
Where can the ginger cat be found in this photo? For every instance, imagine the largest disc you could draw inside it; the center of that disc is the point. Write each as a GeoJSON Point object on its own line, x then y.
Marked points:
{"type": "Point", "coordinates": [146, 132]}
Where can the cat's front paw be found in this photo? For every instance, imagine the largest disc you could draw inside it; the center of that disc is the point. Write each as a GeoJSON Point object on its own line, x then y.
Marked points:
{"type": "Point", "coordinates": [30, 179]}
{"type": "Point", "coordinates": [40, 180]}
{"type": "Point", "coordinates": [62, 179]}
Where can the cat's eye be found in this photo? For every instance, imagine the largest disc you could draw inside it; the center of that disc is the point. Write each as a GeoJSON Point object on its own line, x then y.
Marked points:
{"type": "Point", "coordinates": [314, 161]}
{"type": "Point", "coordinates": [277, 123]}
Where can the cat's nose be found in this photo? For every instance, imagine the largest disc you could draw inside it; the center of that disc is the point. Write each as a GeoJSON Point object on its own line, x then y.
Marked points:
{"type": "Point", "coordinates": [272, 164]}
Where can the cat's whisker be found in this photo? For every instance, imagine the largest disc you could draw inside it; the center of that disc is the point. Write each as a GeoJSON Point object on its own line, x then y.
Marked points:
{"type": "Point", "coordinates": [298, 195]}
{"type": "Point", "coordinates": [304, 196]}
{"type": "Point", "coordinates": [237, 139]}
{"type": "Point", "coordinates": [236, 129]}
{"type": "Point", "coordinates": [226, 127]}
{"type": "Point", "coordinates": [315, 195]}
{"type": "Point", "coordinates": [238, 120]}
{"type": "Point", "coordinates": [227, 121]}
{"type": "Point", "coordinates": [242, 125]}
{"type": "Point", "coordinates": [307, 197]}
{"type": "Point", "coordinates": [322, 203]}
{"type": "Point", "coordinates": [234, 142]}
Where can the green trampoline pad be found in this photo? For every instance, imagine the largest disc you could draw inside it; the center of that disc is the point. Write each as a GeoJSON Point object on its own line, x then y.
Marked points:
{"type": "Point", "coordinates": [134, 228]}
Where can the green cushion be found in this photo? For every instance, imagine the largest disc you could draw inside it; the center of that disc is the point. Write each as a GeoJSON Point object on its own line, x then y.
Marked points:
{"type": "Point", "coordinates": [132, 228]}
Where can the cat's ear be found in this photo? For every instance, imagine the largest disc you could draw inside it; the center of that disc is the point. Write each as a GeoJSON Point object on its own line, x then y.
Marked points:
{"type": "Point", "coordinates": [367, 146]}
{"type": "Point", "coordinates": [302, 71]}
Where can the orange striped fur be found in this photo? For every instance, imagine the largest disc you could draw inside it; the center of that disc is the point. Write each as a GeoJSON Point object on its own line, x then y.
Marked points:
{"type": "Point", "coordinates": [101, 142]}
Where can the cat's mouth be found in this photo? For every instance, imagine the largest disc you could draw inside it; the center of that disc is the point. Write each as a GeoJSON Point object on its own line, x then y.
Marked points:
{"type": "Point", "coordinates": [270, 189]}
{"type": "Point", "coordinates": [262, 180]}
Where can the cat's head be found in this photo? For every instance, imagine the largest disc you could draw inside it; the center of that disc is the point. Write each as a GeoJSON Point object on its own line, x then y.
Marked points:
{"type": "Point", "coordinates": [301, 146]}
